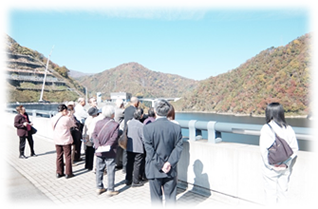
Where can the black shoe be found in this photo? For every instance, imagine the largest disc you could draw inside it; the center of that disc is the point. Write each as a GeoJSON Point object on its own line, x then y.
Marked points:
{"type": "Point", "coordinates": [22, 157]}
{"type": "Point", "coordinates": [128, 183]}
{"type": "Point", "coordinates": [119, 167]}
{"type": "Point", "coordinates": [59, 175]}
{"type": "Point", "coordinates": [78, 160]}
{"type": "Point", "coordinates": [33, 155]}
{"type": "Point", "coordinates": [69, 176]}
{"type": "Point", "coordinates": [137, 185]}
{"type": "Point", "coordinates": [144, 180]}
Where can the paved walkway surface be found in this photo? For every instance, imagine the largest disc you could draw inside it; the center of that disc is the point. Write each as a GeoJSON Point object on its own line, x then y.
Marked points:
{"type": "Point", "coordinates": [32, 181]}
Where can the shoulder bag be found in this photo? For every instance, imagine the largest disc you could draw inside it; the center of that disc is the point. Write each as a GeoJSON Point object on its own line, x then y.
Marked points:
{"type": "Point", "coordinates": [122, 141]}
{"type": "Point", "coordinates": [33, 130]}
{"type": "Point", "coordinates": [279, 151]}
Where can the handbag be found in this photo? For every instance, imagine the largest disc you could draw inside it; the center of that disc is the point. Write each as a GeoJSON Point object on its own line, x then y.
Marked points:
{"type": "Point", "coordinates": [122, 141]}
{"type": "Point", "coordinates": [279, 151]}
{"type": "Point", "coordinates": [33, 130]}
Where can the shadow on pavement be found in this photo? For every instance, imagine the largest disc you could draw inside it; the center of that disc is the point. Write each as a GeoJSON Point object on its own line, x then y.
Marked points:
{"type": "Point", "coordinates": [186, 200]}
{"type": "Point", "coordinates": [46, 153]}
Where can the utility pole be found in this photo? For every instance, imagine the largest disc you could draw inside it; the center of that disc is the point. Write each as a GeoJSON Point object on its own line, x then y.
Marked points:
{"type": "Point", "coordinates": [46, 69]}
{"type": "Point", "coordinates": [86, 94]}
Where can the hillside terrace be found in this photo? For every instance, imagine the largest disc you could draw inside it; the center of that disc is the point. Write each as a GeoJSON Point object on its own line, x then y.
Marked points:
{"type": "Point", "coordinates": [24, 68]}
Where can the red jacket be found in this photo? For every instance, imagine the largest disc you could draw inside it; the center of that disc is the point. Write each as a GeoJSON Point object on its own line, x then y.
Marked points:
{"type": "Point", "coordinates": [18, 123]}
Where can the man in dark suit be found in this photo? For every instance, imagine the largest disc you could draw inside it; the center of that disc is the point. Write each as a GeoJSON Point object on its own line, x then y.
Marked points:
{"type": "Point", "coordinates": [128, 115]}
{"type": "Point", "coordinates": [163, 144]}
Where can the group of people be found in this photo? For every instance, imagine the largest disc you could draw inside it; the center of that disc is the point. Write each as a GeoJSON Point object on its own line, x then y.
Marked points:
{"type": "Point", "coordinates": [68, 127]}
{"type": "Point", "coordinates": [153, 148]}
{"type": "Point", "coordinates": [154, 144]}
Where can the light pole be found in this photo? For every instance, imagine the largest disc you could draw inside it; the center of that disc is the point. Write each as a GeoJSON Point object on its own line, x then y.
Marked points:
{"type": "Point", "coordinates": [86, 94]}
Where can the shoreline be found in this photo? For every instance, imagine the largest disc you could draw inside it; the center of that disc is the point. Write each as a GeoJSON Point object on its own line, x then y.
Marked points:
{"type": "Point", "coordinates": [240, 114]}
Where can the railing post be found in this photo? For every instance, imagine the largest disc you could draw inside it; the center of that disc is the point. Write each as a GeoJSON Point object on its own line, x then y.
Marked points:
{"type": "Point", "coordinates": [192, 132]}
{"type": "Point", "coordinates": [33, 113]}
{"type": "Point", "coordinates": [316, 176]}
{"type": "Point", "coordinates": [213, 135]}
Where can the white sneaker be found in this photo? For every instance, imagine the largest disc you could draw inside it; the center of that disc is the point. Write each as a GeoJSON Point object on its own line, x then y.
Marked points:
{"type": "Point", "coordinates": [100, 191]}
{"type": "Point", "coordinates": [112, 193]}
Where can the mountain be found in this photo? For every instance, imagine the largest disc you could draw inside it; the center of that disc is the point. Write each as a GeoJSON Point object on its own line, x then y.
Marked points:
{"type": "Point", "coordinates": [137, 80]}
{"type": "Point", "coordinates": [76, 74]}
{"type": "Point", "coordinates": [25, 69]}
{"type": "Point", "coordinates": [279, 74]}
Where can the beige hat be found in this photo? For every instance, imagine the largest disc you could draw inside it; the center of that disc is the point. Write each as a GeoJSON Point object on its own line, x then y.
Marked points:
{"type": "Point", "coordinates": [71, 103]}
{"type": "Point", "coordinates": [119, 102]}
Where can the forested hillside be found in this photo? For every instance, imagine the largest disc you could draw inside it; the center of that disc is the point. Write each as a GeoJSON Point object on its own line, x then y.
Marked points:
{"type": "Point", "coordinates": [137, 80]}
{"type": "Point", "coordinates": [25, 71]}
{"type": "Point", "coordinates": [279, 74]}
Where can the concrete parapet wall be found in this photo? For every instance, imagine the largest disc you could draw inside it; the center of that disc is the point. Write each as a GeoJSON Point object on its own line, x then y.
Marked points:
{"type": "Point", "coordinates": [43, 125]}
{"type": "Point", "coordinates": [226, 169]}
{"type": "Point", "coordinates": [234, 170]}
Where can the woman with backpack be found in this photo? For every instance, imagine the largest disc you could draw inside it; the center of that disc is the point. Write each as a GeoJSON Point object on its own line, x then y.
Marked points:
{"type": "Point", "coordinates": [276, 175]}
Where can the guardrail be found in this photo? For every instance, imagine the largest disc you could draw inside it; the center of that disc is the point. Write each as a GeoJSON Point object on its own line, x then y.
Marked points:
{"type": "Point", "coordinates": [35, 113]}
{"type": "Point", "coordinates": [214, 128]}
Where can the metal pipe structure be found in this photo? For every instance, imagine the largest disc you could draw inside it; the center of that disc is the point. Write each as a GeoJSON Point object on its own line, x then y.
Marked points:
{"type": "Point", "coordinates": [215, 129]}
{"type": "Point", "coordinates": [46, 69]}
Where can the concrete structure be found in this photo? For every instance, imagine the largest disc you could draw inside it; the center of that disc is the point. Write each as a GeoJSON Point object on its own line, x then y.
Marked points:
{"type": "Point", "coordinates": [99, 97]}
{"type": "Point", "coordinates": [152, 100]}
{"type": "Point", "coordinates": [120, 95]}
{"type": "Point", "coordinates": [230, 171]}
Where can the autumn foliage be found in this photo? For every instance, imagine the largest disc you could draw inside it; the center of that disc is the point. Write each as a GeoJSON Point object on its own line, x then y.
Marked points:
{"type": "Point", "coordinates": [279, 74]}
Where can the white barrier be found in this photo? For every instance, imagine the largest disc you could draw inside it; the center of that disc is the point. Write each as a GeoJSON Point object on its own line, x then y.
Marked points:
{"type": "Point", "coordinates": [42, 125]}
{"type": "Point", "coordinates": [234, 170]}
{"type": "Point", "coordinates": [227, 169]}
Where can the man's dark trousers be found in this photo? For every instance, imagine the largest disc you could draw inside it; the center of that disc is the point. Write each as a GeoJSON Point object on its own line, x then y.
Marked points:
{"type": "Point", "coordinates": [169, 186]}
{"type": "Point", "coordinates": [134, 162]}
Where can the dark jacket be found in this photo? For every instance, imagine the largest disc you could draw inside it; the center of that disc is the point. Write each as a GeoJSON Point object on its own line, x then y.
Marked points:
{"type": "Point", "coordinates": [163, 142]}
{"type": "Point", "coordinates": [108, 136]}
{"type": "Point", "coordinates": [18, 123]}
{"type": "Point", "coordinates": [129, 113]}
{"type": "Point", "coordinates": [76, 131]}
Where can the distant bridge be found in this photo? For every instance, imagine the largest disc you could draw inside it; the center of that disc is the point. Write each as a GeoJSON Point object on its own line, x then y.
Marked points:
{"type": "Point", "coordinates": [152, 100]}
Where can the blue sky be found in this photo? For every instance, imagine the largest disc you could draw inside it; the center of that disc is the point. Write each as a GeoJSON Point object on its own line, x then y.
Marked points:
{"type": "Point", "coordinates": [195, 43]}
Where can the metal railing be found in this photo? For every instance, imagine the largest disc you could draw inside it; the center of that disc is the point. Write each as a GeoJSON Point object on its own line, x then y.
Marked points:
{"type": "Point", "coordinates": [215, 130]}
{"type": "Point", "coordinates": [35, 113]}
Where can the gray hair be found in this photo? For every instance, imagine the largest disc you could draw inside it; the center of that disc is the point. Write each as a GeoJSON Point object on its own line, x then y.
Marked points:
{"type": "Point", "coordinates": [80, 99]}
{"type": "Point", "coordinates": [108, 111]}
{"type": "Point", "coordinates": [134, 100]}
{"type": "Point", "coordinates": [90, 100]}
{"type": "Point", "coordinates": [138, 113]}
{"type": "Point", "coordinates": [162, 107]}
